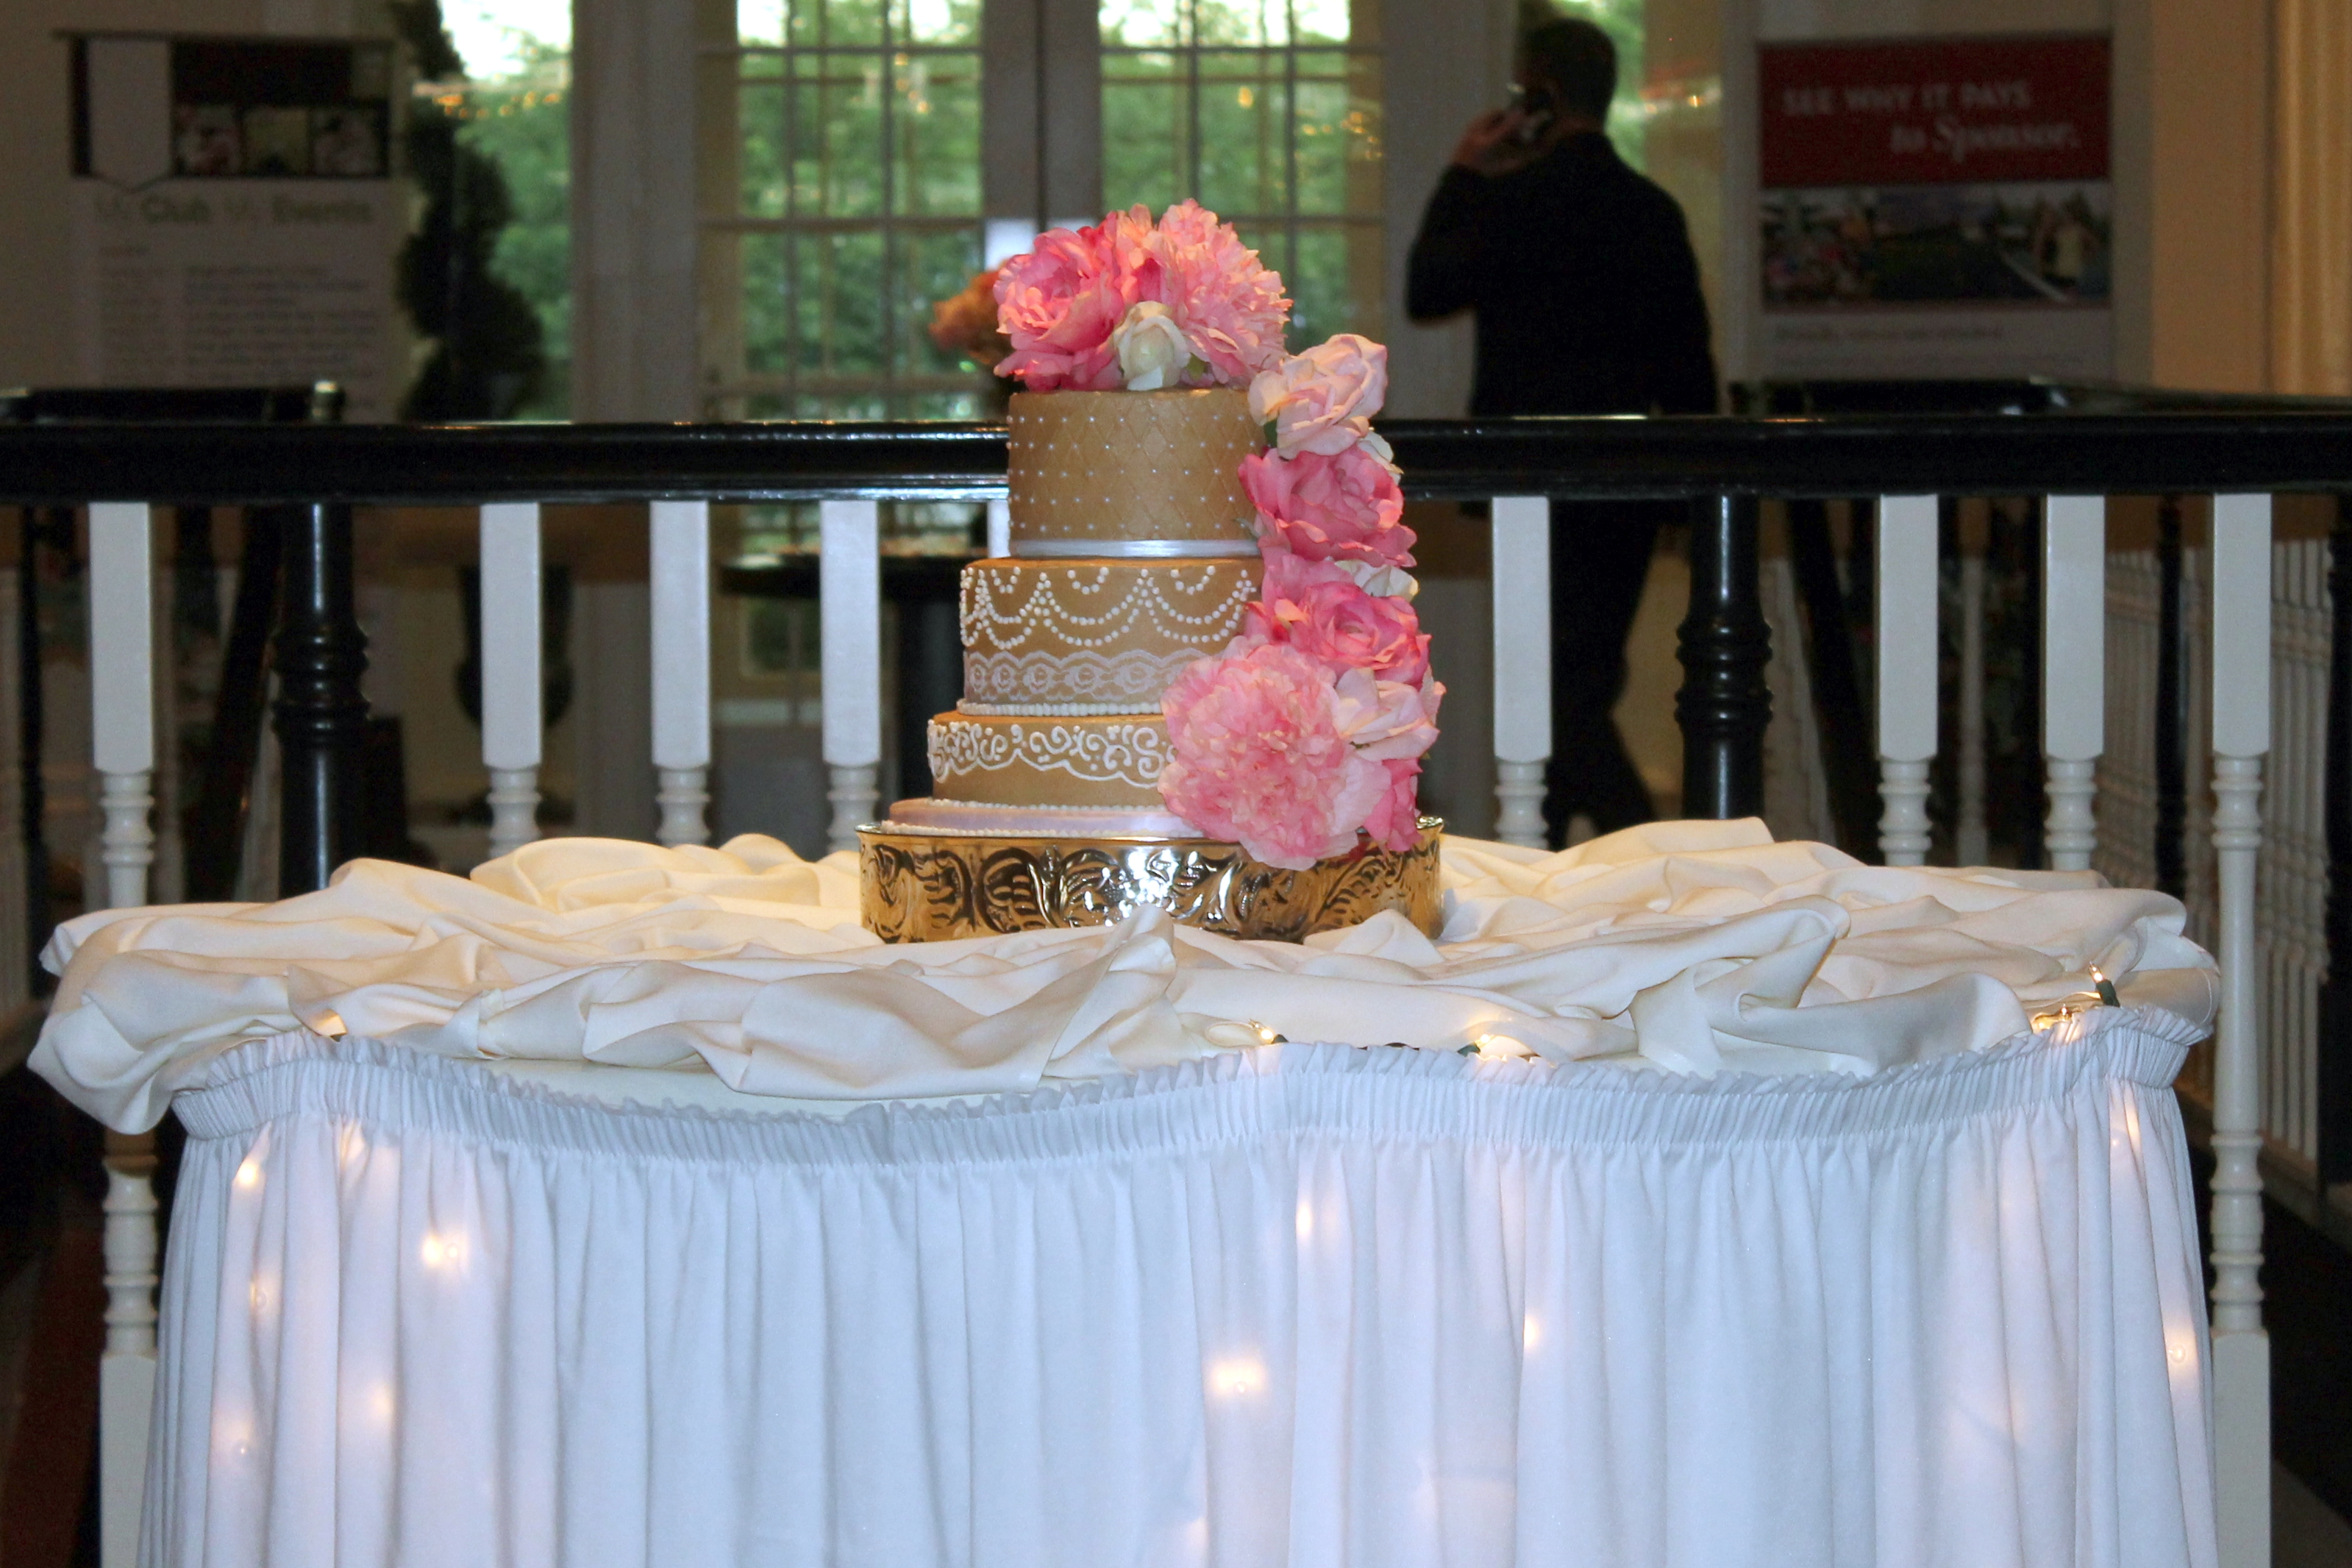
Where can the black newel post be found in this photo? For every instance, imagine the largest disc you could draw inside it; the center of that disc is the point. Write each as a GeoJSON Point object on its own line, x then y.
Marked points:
{"type": "Point", "coordinates": [1724, 705]}
{"type": "Point", "coordinates": [32, 824]}
{"type": "Point", "coordinates": [2171, 709]}
{"type": "Point", "coordinates": [2335, 997]}
{"type": "Point", "coordinates": [322, 717]}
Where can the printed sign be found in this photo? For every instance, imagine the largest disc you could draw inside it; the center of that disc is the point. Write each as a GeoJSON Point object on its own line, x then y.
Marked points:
{"type": "Point", "coordinates": [233, 221]}
{"type": "Point", "coordinates": [1936, 208]}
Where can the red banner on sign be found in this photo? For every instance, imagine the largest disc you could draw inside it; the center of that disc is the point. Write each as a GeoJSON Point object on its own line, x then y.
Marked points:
{"type": "Point", "coordinates": [1952, 112]}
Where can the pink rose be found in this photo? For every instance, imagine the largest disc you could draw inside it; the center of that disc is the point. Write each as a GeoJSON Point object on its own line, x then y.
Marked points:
{"type": "Point", "coordinates": [1318, 610]}
{"type": "Point", "coordinates": [1394, 822]}
{"type": "Point", "coordinates": [1060, 303]}
{"type": "Point", "coordinates": [1256, 759]}
{"type": "Point", "coordinates": [1323, 400]}
{"type": "Point", "coordinates": [1230, 305]}
{"type": "Point", "coordinates": [1343, 508]}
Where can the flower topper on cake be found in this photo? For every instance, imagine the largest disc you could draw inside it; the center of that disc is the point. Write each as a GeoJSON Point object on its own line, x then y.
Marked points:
{"type": "Point", "coordinates": [1305, 735]}
{"type": "Point", "coordinates": [1130, 304]}
{"type": "Point", "coordinates": [1303, 739]}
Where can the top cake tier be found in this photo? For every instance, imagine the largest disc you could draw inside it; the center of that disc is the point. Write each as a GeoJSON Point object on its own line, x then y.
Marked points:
{"type": "Point", "coordinates": [1147, 474]}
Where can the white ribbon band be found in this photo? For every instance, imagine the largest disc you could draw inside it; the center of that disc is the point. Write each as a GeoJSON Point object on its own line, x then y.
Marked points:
{"type": "Point", "coordinates": [1135, 549]}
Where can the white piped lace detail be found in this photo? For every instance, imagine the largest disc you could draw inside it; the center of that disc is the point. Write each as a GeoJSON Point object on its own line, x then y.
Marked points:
{"type": "Point", "coordinates": [1082, 605]}
{"type": "Point", "coordinates": [1095, 753]}
{"type": "Point", "coordinates": [1126, 682]}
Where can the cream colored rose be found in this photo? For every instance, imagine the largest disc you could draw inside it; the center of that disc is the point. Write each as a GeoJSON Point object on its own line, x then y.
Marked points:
{"type": "Point", "coordinates": [1381, 581]}
{"type": "Point", "coordinates": [1152, 349]}
{"type": "Point", "coordinates": [1323, 400]}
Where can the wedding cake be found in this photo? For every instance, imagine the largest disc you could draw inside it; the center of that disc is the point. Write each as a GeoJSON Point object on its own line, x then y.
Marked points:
{"type": "Point", "coordinates": [1197, 680]}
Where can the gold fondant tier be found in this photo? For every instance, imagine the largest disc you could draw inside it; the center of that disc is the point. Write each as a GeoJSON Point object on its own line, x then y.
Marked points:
{"type": "Point", "coordinates": [924, 887]}
{"type": "Point", "coordinates": [1107, 633]}
{"type": "Point", "coordinates": [1091, 759]}
{"type": "Point", "coordinates": [1125, 471]}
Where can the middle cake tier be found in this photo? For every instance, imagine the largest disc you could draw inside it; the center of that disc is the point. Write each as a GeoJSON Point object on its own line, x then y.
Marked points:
{"type": "Point", "coordinates": [1047, 638]}
{"type": "Point", "coordinates": [1085, 760]}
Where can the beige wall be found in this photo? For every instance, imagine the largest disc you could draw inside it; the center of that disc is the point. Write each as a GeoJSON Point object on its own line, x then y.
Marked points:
{"type": "Point", "coordinates": [2193, 82]}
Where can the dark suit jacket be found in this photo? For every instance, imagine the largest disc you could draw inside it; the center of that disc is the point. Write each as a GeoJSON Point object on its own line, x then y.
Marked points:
{"type": "Point", "coordinates": [1581, 274]}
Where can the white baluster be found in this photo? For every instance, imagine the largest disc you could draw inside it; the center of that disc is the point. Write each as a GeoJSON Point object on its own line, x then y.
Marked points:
{"type": "Point", "coordinates": [849, 609]}
{"type": "Point", "coordinates": [122, 717]}
{"type": "Point", "coordinates": [681, 649]}
{"type": "Point", "coordinates": [168, 864]}
{"type": "Point", "coordinates": [123, 691]}
{"type": "Point", "coordinates": [1521, 531]}
{"type": "Point", "coordinates": [511, 719]}
{"type": "Point", "coordinates": [999, 529]}
{"type": "Point", "coordinates": [2074, 671]}
{"type": "Point", "coordinates": [1968, 831]}
{"type": "Point", "coordinates": [126, 1382]}
{"type": "Point", "coordinates": [1907, 673]}
{"type": "Point", "coordinates": [2242, 735]}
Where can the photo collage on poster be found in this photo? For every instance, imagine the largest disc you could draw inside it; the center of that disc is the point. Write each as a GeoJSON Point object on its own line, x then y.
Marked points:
{"type": "Point", "coordinates": [265, 110]}
{"type": "Point", "coordinates": [1931, 243]}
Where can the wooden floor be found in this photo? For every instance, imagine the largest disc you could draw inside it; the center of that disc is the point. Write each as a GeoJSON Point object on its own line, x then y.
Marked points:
{"type": "Point", "coordinates": [52, 1326]}
{"type": "Point", "coordinates": [2305, 1531]}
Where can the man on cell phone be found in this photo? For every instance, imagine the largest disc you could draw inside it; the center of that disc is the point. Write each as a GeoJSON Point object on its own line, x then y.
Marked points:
{"type": "Point", "coordinates": [1587, 297]}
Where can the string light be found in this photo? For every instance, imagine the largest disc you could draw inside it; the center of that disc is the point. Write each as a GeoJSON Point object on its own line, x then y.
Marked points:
{"type": "Point", "coordinates": [1236, 1377]}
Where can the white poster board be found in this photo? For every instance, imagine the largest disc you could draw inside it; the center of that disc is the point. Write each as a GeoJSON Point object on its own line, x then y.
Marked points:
{"type": "Point", "coordinates": [1937, 207]}
{"type": "Point", "coordinates": [233, 220]}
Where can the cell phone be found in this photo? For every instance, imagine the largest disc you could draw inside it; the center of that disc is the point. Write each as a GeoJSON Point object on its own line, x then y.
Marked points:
{"type": "Point", "coordinates": [1535, 107]}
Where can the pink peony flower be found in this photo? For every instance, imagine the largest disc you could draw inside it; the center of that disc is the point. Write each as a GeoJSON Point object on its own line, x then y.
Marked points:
{"type": "Point", "coordinates": [1316, 608]}
{"type": "Point", "coordinates": [1256, 758]}
{"type": "Point", "coordinates": [1060, 303]}
{"type": "Point", "coordinates": [1322, 508]}
{"type": "Point", "coordinates": [1323, 400]}
{"type": "Point", "coordinates": [1394, 822]}
{"type": "Point", "coordinates": [1230, 305]}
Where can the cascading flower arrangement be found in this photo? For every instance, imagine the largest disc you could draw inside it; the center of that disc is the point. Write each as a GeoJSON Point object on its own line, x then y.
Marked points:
{"type": "Point", "coordinates": [1306, 735]}
{"type": "Point", "coordinates": [1303, 739]}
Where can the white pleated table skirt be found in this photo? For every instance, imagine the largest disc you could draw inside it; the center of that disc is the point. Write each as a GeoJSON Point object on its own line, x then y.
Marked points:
{"type": "Point", "coordinates": [1306, 1305]}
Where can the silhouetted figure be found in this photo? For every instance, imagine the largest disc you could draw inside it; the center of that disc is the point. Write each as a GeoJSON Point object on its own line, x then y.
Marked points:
{"type": "Point", "coordinates": [1581, 273]}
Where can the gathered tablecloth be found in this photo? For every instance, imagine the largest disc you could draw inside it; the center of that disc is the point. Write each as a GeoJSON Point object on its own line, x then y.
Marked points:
{"type": "Point", "coordinates": [1727, 1201]}
{"type": "Point", "coordinates": [1688, 946]}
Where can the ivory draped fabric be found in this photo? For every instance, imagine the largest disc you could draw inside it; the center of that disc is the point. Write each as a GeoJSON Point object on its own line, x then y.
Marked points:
{"type": "Point", "coordinates": [1694, 947]}
{"type": "Point", "coordinates": [1316, 1305]}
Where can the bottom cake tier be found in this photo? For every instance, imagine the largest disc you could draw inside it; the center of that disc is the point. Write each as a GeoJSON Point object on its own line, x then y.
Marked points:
{"type": "Point", "coordinates": [934, 885]}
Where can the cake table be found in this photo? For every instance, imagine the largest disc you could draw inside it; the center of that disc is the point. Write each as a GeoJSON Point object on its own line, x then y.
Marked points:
{"type": "Point", "coordinates": [440, 1292]}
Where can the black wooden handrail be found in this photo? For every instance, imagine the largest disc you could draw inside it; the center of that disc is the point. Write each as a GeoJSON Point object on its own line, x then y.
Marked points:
{"type": "Point", "coordinates": [1686, 458]}
{"type": "Point", "coordinates": [2120, 444]}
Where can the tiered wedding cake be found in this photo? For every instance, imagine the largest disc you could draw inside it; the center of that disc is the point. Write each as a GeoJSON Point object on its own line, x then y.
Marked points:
{"type": "Point", "coordinates": [1197, 681]}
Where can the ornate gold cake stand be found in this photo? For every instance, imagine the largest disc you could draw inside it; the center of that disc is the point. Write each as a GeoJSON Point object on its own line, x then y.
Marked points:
{"type": "Point", "coordinates": [930, 886]}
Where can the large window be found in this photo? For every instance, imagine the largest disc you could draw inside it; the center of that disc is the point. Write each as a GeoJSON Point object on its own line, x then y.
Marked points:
{"type": "Point", "coordinates": [840, 196]}
{"type": "Point", "coordinates": [1268, 112]}
{"type": "Point", "coordinates": [841, 179]}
